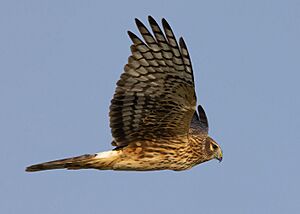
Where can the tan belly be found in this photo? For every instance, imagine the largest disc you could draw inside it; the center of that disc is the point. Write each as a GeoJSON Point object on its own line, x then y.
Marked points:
{"type": "Point", "coordinates": [140, 159]}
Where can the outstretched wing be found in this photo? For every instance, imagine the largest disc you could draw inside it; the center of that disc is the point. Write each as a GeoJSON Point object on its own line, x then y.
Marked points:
{"type": "Point", "coordinates": [155, 96]}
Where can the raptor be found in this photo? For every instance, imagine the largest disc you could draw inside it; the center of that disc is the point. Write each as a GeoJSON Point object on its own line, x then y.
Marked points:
{"type": "Point", "coordinates": [154, 121]}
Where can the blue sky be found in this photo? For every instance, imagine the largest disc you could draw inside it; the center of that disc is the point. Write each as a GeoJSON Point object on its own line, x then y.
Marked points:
{"type": "Point", "coordinates": [59, 64]}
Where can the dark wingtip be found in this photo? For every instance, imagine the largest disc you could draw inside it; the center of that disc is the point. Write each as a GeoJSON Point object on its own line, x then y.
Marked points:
{"type": "Point", "coordinates": [200, 109]}
{"type": "Point", "coordinates": [164, 21]}
{"type": "Point", "coordinates": [202, 116]}
{"type": "Point", "coordinates": [131, 35]}
{"type": "Point", "coordinates": [166, 24]}
{"type": "Point", "coordinates": [138, 22]}
{"type": "Point", "coordinates": [151, 19]}
{"type": "Point", "coordinates": [182, 43]}
{"type": "Point", "coordinates": [153, 22]}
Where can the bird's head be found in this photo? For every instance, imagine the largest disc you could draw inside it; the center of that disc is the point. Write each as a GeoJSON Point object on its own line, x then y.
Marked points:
{"type": "Point", "coordinates": [214, 151]}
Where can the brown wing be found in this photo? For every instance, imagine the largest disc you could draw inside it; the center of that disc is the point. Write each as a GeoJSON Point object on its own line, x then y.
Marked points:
{"type": "Point", "coordinates": [199, 123]}
{"type": "Point", "coordinates": [155, 96]}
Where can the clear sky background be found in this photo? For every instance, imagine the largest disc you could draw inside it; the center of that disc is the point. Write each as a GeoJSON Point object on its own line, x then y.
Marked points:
{"type": "Point", "coordinates": [60, 61]}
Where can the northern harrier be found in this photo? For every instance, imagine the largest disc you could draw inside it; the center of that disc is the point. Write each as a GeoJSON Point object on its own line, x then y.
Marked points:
{"type": "Point", "coordinates": [153, 117]}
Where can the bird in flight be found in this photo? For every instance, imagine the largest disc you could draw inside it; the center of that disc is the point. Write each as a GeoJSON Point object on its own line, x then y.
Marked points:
{"type": "Point", "coordinates": [153, 116]}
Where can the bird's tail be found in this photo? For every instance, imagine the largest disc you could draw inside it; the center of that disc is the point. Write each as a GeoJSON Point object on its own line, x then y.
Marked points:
{"type": "Point", "coordinates": [103, 160]}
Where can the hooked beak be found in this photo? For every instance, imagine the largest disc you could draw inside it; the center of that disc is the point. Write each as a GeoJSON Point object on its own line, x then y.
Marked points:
{"type": "Point", "coordinates": [220, 156]}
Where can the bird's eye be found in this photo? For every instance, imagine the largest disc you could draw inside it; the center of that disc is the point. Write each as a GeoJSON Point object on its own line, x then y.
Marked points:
{"type": "Point", "coordinates": [214, 146]}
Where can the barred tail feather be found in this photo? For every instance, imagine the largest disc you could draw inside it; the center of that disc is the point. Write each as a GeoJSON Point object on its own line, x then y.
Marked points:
{"type": "Point", "coordinates": [103, 160]}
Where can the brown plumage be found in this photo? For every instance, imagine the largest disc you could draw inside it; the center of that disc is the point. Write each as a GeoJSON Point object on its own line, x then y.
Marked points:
{"type": "Point", "coordinates": [153, 115]}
